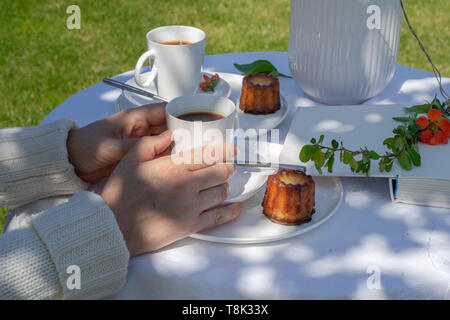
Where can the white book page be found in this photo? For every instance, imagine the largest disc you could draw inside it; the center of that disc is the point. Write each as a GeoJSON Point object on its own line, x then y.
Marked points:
{"type": "Point", "coordinates": [359, 126]}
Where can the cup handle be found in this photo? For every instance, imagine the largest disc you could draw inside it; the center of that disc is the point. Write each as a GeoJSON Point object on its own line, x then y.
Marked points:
{"type": "Point", "coordinates": [137, 71]}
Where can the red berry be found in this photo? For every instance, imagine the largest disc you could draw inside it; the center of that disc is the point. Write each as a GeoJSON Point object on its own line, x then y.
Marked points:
{"type": "Point", "coordinates": [444, 124]}
{"type": "Point", "coordinates": [425, 136]}
{"type": "Point", "coordinates": [434, 114]}
{"type": "Point", "coordinates": [422, 122]}
{"type": "Point", "coordinates": [441, 137]}
{"type": "Point", "coordinates": [433, 141]}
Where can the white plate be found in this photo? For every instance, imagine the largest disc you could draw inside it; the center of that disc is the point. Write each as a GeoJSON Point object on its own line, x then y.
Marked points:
{"type": "Point", "coordinates": [256, 121]}
{"type": "Point", "coordinates": [229, 86]}
{"type": "Point", "coordinates": [253, 227]}
{"type": "Point", "coordinates": [244, 184]}
{"type": "Point", "coordinates": [262, 121]}
{"type": "Point", "coordinates": [129, 99]}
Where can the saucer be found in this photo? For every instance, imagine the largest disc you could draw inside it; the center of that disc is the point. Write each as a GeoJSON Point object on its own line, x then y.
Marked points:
{"type": "Point", "coordinates": [229, 86]}
{"type": "Point", "coordinates": [253, 227]}
{"type": "Point", "coordinates": [244, 184]}
{"type": "Point", "coordinates": [132, 100]}
{"type": "Point", "coordinates": [261, 123]}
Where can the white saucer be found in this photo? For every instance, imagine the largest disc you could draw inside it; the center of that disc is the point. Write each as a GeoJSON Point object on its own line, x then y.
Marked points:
{"type": "Point", "coordinates": [253, 227]}
{"type": "Point", "coordinates": [132, 100]}
{"type": "Point", "coordinates": [255, 121]}
{"type": "Point", "coordinates": [245, 183]}
{"type": "Point", "coordinates": [230, 85]}
{"type": "Point", "coordinates": [262, 121]}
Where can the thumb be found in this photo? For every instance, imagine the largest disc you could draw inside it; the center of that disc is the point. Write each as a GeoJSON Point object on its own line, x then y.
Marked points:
{"type": "Point", "coordinates": [147, 148]}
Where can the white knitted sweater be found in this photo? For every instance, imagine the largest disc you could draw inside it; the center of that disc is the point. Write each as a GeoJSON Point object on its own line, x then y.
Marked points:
{"type": "Point", "coordinates": [72, 251]}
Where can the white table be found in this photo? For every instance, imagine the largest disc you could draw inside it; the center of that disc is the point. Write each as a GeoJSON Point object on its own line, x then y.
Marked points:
{"type": "Point", "coordinates": [408, 246]}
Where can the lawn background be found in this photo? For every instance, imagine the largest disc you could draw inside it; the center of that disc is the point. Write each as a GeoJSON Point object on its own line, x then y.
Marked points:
{"type": "Point", "coordinates": [42, 63]}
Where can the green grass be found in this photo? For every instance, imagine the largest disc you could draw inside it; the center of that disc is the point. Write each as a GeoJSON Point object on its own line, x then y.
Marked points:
{"type": "Point", "coordinates": [3, 214]}
{"type": "Point", "coordinates": [42, 63]}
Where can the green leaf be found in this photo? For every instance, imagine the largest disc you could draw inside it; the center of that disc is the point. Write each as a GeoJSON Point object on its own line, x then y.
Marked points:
{"type": "Point", "coordinates": [275, 73]}
{"type": "Point", "coordinates": [313, 140]}
{"type": "Point", "coordinates": [389, 167]}
{"type": "Point", "coordinates": [360, 166]}
{"type": "Point", "coordinates": [405, 161]}
{"type": "Point", "coordinates": [399, 143]}
{"type": "Point", "coordinates": [259, 66]}
{"type": "Point", "coordinates": [414, 155]}
{"type": "Point", "coordinates": [347, 157]}
{"type": "Point", "coordinates": [382, 165]}
{"type": "Point", "coordinates": [330, 164]}
{"type": "Point", "coordinates": [414, 128]}
{"type": "Point", "coordinates": [335, 144]}
{"type": "Point", "coordinates": [306, 153]}
{"type": "Point", "coordinates": [321, 139]}
{"type": "Point", "coordinates": [374, 155]}
{"type": "Point", "coordinates": [389, 142]}
{"type": "Point", "coordinates": [436, 104]}
{"type": "Point", "coordinates": [245, 68]}
{"type": "Point", "coordinates": [401, 119]}
{"type": "Point", "coordinates": [354, 165]}
{"type": "Point", "coordinates": [419, 109]}
{"type": "Point", "coordinates": [365, 158]}
{"type": "Point", "coordinates": [400, 130]}
{"type": "Point", "coordinates": [319, 159]}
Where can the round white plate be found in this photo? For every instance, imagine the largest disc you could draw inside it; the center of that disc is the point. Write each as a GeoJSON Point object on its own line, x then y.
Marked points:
{"type": "Point", "coordinates": [245, 183]}
{"type": "Point", "coordinates": [255, 121]}
{"type": "Point", "coordinates": [222, 89]}
{"type": "Point", "coordinates": [253, 227]}
{"type": "Point", "coordinates": [230, 85]}
{"type": "Point", "coordinates": [262, 121]}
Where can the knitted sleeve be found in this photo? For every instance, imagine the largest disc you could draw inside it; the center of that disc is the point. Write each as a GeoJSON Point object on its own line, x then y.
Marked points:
{"type": "Point", "coordinates": [34, 164]}
{"type": "Point", "coordinates": [72, 251]}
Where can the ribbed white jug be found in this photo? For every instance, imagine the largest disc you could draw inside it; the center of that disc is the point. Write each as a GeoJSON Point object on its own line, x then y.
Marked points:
{"type": "Point", "coordinates": [344, 51]}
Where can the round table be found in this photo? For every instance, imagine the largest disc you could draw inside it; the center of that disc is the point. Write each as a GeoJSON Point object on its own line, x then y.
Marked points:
{"type": "Point", "coordinates": [371, 247]}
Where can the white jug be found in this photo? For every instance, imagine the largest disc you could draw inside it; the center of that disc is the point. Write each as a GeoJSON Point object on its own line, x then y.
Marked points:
{"type": "Point", "coordinates": [344, 51]}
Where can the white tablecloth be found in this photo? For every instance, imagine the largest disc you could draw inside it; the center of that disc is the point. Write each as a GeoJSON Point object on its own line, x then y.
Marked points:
{"type": "Point", "coordinates": [407, 246]}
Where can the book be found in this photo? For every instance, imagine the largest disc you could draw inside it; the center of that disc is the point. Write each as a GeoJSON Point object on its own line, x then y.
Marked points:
{"type": "Point", "coordinates": [368, 126]}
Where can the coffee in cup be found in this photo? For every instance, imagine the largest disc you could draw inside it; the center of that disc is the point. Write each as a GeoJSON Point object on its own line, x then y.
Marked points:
{"type": "Point", "coordinates": [175, 55]}
{"type": "Point", "coordinates": [201, 119]}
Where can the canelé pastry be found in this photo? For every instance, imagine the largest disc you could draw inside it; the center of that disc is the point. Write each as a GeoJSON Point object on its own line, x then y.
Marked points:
{"type": "Point", "coordinates": [289, 197]}
{"type": "Point", "coordinates": [260, 94]}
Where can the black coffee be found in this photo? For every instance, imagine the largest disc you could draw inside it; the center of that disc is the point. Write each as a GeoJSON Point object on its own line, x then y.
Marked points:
{"type": "Point", "coordinates": [200, 116]}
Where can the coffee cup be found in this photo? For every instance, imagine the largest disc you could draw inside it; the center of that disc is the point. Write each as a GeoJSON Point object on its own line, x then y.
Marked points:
{"type": "Point", "coordinates": [175, 55]}
{"type": "Point", "coordinates": [215, 125]}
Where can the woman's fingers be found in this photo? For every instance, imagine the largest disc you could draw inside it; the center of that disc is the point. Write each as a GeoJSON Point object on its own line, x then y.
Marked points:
{"type": "Point", "coordinates": [157, 129]}
{"type": "Point", "coordinates": [143, 121]}
{"type": "Point", "coordinates": [147, 148]}
{"type": "Point", "coordinates": [154, 114]}
{"type": "Point", "coordinates": [214, 175]}
{"type": "Point", "coordinates": [214, 196]}
{"type": "Point", "coordinates": [219, 215]}
{"type": "Point", "coordinates": [206, 156]}
{"type": "Point", "coordinates": [98, 174]}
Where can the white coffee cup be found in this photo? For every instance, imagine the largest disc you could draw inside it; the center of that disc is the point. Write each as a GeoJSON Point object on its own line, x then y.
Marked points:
{"type": "Point", "coordinates": [193, 134]}
{"type": "Point", "coordinates": [175, 69]}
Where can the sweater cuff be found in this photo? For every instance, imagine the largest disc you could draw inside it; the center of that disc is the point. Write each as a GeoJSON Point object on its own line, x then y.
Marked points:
{"type": "Point", "coordinates": [84, 233]}
{"type": "Point", "coordinates": [34, 164]}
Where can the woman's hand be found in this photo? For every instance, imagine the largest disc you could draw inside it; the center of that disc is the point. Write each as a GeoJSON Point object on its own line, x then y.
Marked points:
{"type": "Point", "coordinates": [157, 202]}
{"type": "Point", "coordinates": [95, 149]}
